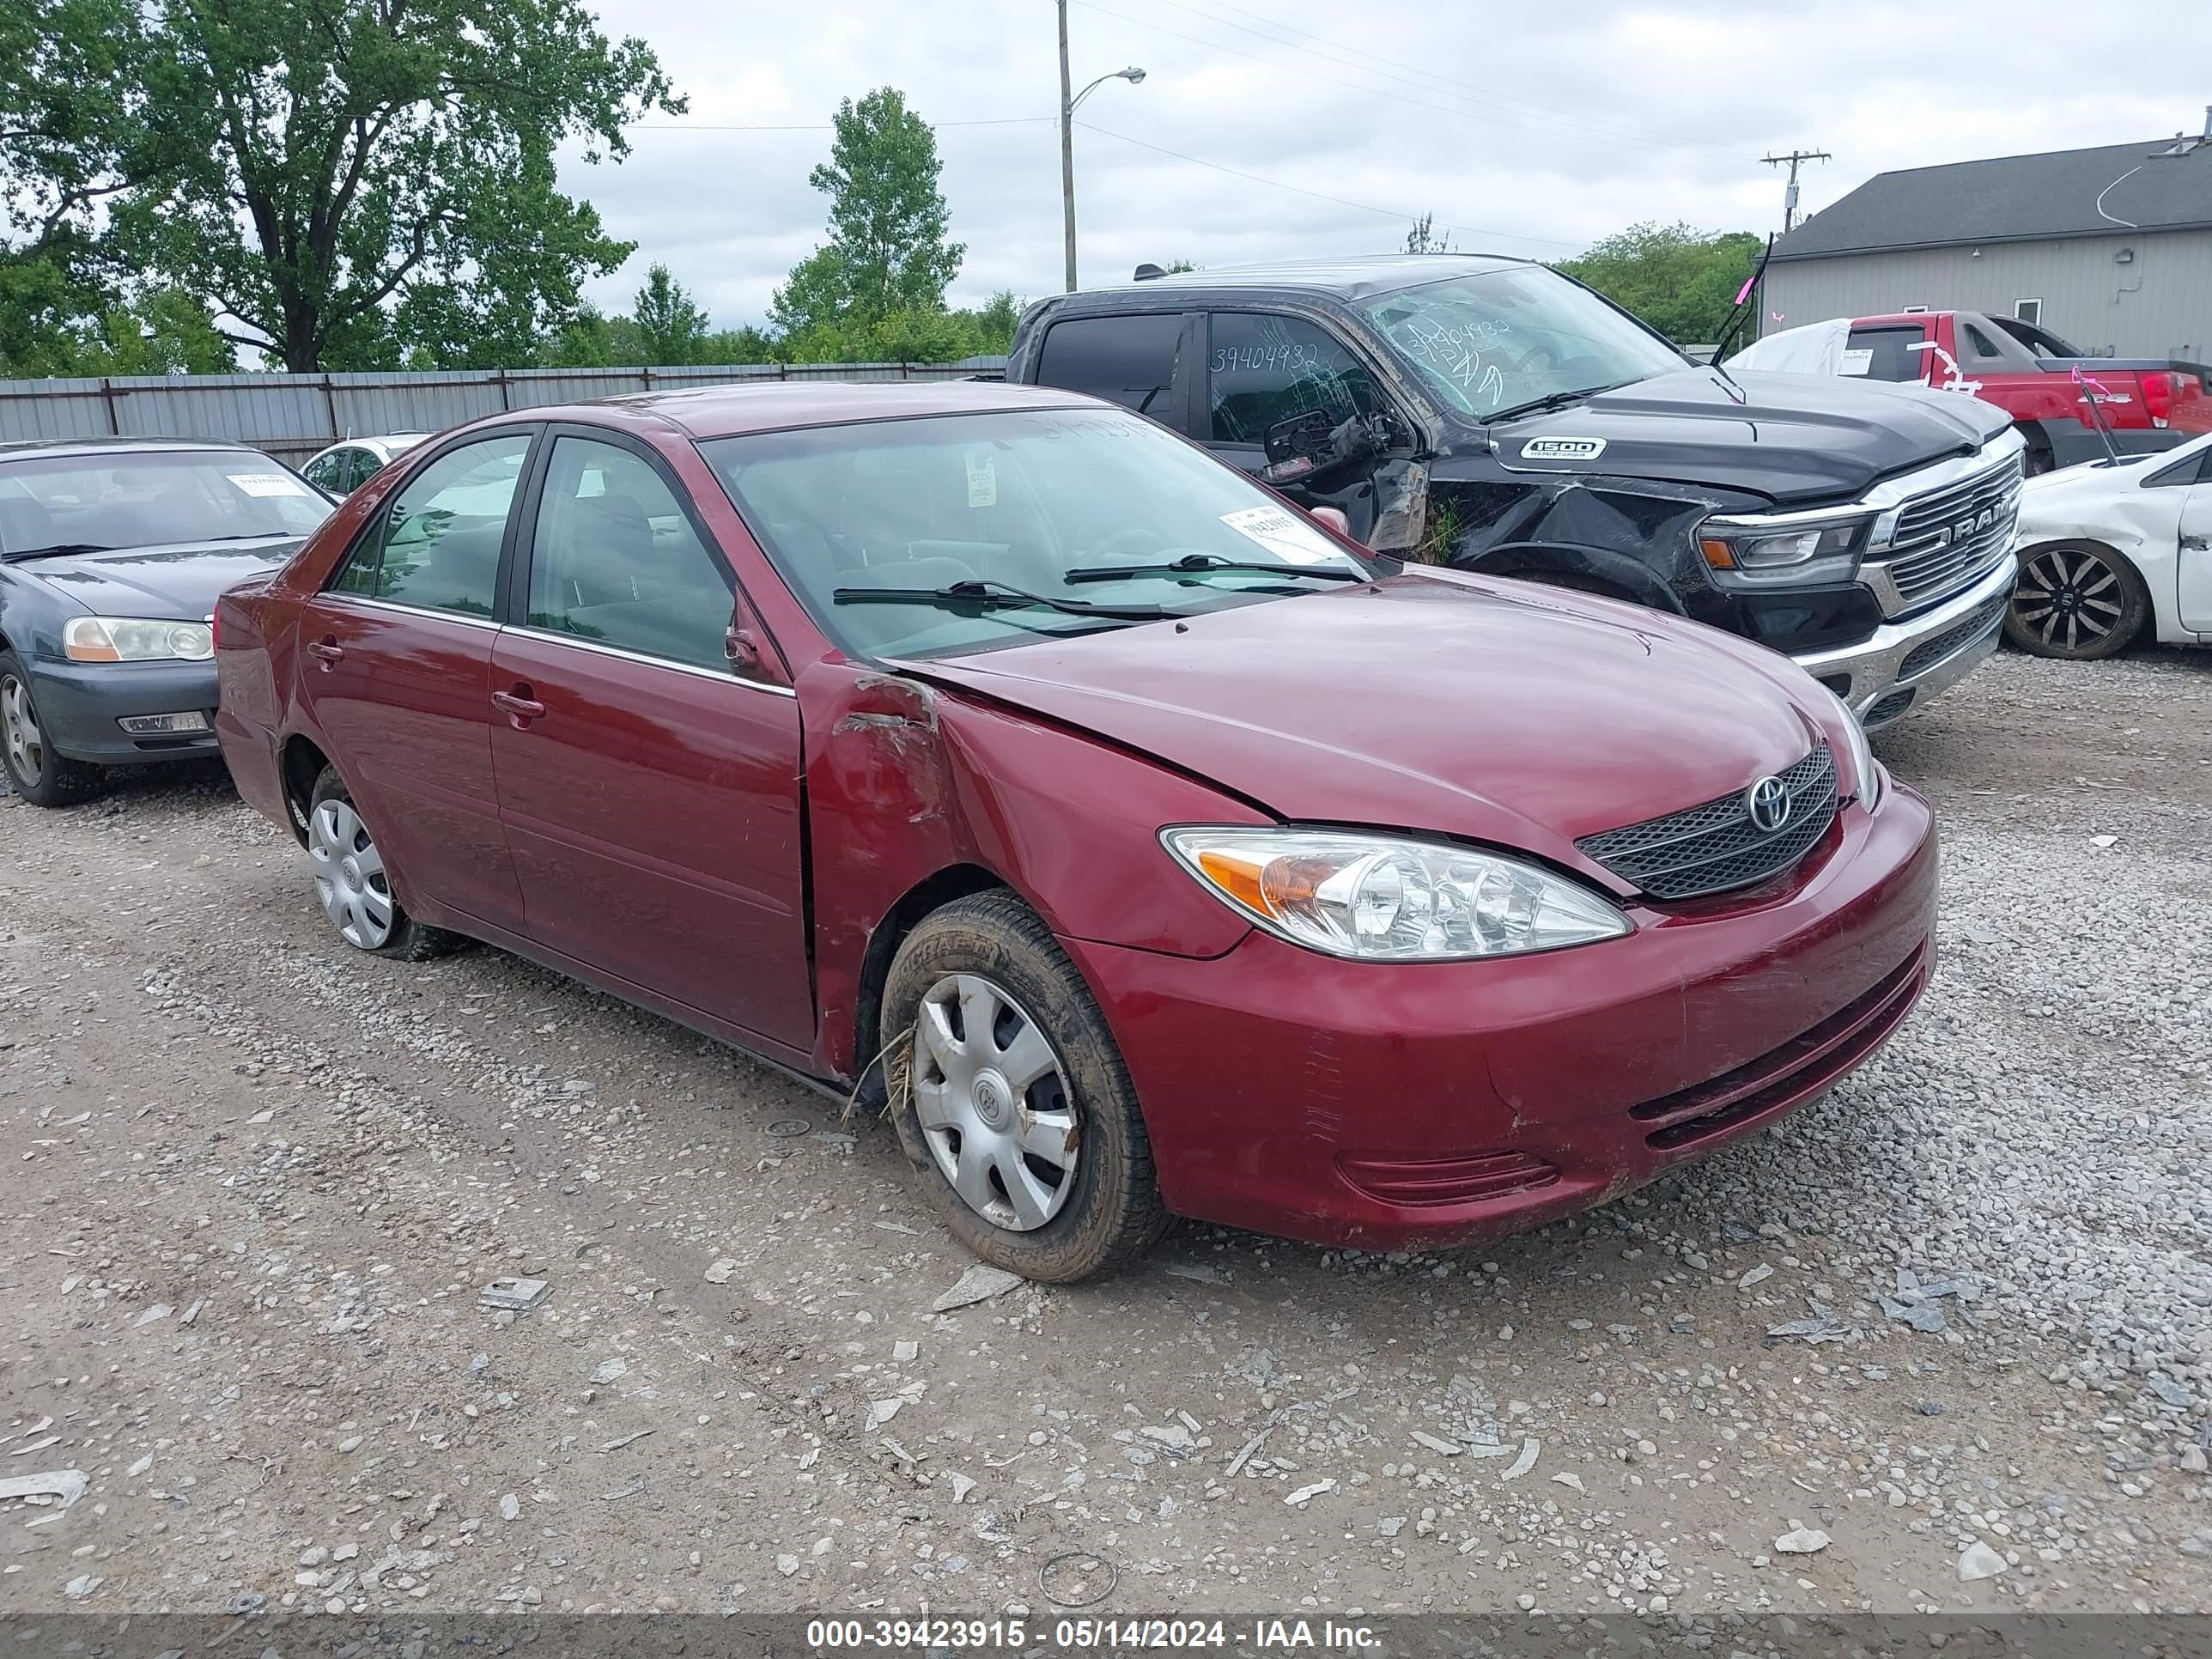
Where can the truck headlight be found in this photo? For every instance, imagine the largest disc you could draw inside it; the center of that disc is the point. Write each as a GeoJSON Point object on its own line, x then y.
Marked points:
{"type": "Point", "coordinates": [130, 638]}
{"type": "Point", "coordinates": [1390, 898]}
{"type": "Point", "coordinates": [1785, 548]}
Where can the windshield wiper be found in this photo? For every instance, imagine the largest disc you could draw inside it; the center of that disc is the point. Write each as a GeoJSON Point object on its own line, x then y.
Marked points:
{"type": "Point", "coordinates": [996, 596]}
{"type": "Point", "coordinates": [1198, 563]}
{"type": "Point", "coordinates": [66, 550]}
{"type": "Point", "coordinates": [1556, 400]}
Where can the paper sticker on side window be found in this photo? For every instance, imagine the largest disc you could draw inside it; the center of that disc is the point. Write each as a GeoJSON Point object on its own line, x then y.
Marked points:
{"type": "Point", "coordinates": [1283, 535]}
{"type": "Point", "coordinates": [268, 483]}
{"type": "Point", "coordinates": [1856, 360]}
{"type": "Point", "coordinates": [983, 479]}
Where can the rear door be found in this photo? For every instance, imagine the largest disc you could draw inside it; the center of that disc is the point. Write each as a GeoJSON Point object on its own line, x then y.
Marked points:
{"type": "Point", "coordinates": [395, 669]}
{"type": "Point", "coordinates": [2196, 550]}
{"type": "Point", "coordinates": [650, 791]}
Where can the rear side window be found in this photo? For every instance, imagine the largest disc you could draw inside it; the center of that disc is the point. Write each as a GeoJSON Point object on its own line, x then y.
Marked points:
{"type": "Point", "coordinates": [1889, 354]}
{"type": "Point", "coordinates": [1130, 361]}
{"type": "Point", "coordinates": [437, 544]}
{"type": "Point", "coordinates": [1979, 343]}
{"type": "Point", "coordinates": [615, 559]}
{"type": "Point", "coordinates": [1263, 370]}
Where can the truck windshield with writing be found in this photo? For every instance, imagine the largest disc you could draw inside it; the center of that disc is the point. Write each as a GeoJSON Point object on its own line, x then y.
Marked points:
{"type": "Point", "coordinates": [1494, 415]}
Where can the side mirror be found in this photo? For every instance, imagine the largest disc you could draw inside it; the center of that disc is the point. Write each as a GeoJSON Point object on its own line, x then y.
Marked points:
{"type": "Point", "coordinates": [1336, 519]}
{"type": "Point", "coordinates": [1308, 445]}
{"type": "Point", "coordinates": [741, 646]}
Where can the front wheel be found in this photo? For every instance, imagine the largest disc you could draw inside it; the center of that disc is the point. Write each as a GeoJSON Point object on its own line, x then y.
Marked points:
{"type": "Point", "coordinates": [36, 771]}
{"type": "Point", "coordinates": [2076, 601]}
{"type": "Point", "coordinates": [1010, 1097]}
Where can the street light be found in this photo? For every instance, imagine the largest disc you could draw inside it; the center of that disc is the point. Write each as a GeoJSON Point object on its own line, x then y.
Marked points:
{"type": "Point", "coordinates": [1132, 75]}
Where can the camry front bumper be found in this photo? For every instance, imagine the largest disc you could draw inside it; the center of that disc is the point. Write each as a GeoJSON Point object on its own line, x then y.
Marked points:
{"type": "Point", "coordinates": [1904, 664]}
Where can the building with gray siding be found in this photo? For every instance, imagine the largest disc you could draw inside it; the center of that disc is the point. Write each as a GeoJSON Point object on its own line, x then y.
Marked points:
{"type": "Point", "coordinates": [2109, 248]}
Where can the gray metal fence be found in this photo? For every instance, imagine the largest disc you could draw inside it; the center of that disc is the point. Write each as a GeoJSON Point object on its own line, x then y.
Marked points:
{"type": "Point", "coordinates": [292, 415]}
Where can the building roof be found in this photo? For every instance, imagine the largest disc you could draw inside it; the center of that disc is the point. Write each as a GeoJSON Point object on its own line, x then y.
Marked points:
{"type": "Point", "coordinates": [2105, 192]}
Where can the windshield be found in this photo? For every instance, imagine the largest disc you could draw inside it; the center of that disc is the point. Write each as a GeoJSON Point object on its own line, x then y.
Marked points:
{"type": "Point", "coordinates": [1489, 344]}
{"type": "Point", "coordinates": [103, 502]}
{"type": "Point", "coordinates": [1079, 506]}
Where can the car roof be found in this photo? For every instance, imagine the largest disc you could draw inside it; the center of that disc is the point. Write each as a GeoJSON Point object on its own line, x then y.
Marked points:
{"type": "Point", "coordinates": [1359, 278]}
{"type": "Point", "coordinates": [723, 412]}
{"type": "Point", "coordinates": [20, 448]}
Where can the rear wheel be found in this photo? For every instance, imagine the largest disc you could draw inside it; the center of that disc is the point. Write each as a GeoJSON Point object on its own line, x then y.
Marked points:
{"type": "Point", "coordinates": [354, 887]}
{"type": "Point", "coordinates": [1011, 1097]}
{"type": "Point", "coordinates": [2077, 601]}
{"type": "Point", "coordinates": [36, 771]}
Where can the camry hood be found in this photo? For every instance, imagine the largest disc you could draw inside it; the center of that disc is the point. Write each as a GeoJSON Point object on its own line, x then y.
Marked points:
{"type": "Point", "coordinates": [179, 581]}
{"type": "Point", "coordinates": [1799, 440]}
{"type": "Point", "coordinates": [1513, 714]}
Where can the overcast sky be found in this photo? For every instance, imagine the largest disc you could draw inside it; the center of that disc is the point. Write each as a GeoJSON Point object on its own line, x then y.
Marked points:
{"type": "Point", "coordinates": [1527, 129]}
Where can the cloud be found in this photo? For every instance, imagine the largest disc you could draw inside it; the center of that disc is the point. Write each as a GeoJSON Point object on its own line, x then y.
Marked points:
{"type": "Point", "coordinates": [1526, 131]}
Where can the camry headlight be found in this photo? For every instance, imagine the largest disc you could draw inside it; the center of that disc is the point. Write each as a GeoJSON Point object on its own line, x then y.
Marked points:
{"type": "Point", "coordinates": [1785, 548]}
{"type": "Point", "coordinates": [127, 639]}
{"type": "Point", "coordinates": [1864, 783]}
{"type": "Point", "coordinates": [1386, 898]}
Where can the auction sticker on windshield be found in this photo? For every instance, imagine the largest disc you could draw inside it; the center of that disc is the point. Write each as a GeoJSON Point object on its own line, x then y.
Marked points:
{"type": "Point", "coordinates": [1282, 534]}
{"type": "Point", "coordinates": [268, 483]}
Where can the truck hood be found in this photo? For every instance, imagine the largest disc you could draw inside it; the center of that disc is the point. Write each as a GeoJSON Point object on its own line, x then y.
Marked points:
{"type": "Point", "coordinates": [179, 581]}
{"type": "Point", "coordinates": [1521, 716]}
{"type": "Point", "coordinates": [1798, 440]}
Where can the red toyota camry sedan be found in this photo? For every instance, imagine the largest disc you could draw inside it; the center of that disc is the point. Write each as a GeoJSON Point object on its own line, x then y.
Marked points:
{"type": "Point", "coordinates": [1141, 847]}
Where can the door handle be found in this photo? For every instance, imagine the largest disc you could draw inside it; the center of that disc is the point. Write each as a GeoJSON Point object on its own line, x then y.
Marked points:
{"type": "Point", "coordinates": [327, 650]}
{"type": "Point", "coordinates": [518, 704]}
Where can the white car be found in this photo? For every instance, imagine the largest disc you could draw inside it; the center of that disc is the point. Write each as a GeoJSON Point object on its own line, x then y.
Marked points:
{"type": "Point", "coordinates": [345, 466]}
{"type": "Point", "coordinates": [2112, 552]}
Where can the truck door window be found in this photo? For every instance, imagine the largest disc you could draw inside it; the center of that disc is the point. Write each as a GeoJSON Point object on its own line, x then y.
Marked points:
{"type": "Point", "coordinates": [1892, 358]}
{"type": "Point", "coordinates": [1261, 369]}
{"type": "Point", "coordinates": [1130, 361]}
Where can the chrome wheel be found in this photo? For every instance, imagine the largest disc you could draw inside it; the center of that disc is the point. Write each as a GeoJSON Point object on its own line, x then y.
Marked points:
{"type": "Point", "coordinates": [349, 878]}
{"type": "Point", "coordinates": [2068, 597]}
{"type": "Point", "coordinates": [993, 1102]}
{"type": "Point", "coordinates": [19, 722]}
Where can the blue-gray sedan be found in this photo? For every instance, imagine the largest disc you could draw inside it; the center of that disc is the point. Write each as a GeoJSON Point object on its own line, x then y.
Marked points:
{"type": "Point", "coordinates": [111, 554]}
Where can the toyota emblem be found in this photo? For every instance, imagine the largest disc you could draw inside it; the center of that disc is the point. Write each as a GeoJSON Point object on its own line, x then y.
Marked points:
{"type": "Point", "coordinates": [1768, 802]}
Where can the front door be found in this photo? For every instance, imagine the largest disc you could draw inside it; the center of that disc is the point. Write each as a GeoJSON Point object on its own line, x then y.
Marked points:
{"type": "Point", "coordinates": [395, 668]}
{"type": "Point", "coordinates": [2196, 552]}
{"type": "Point", "coordinates": [1262, 368]}
{"type": "Point", "coordinates": [651, 794]}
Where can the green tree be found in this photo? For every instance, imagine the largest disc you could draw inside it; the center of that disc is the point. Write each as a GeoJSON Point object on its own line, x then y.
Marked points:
{"type": "Point", "coordinates": [1423, 237]}
{"type": "Point", "coordinates": [736, 345]}
{"type": "Point", "coordinates": [887, 250]}
{"type": "Point", "coordinates": [340, 180]}
{"type": "Point", "coordinates": [991, 325]}
{"type": "Point", "coordinates": [671, 324]}
{"type": "Point", "coordinates": [1682, 282]}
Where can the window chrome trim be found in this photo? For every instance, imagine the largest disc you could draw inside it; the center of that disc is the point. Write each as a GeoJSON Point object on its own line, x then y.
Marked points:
{"type": "Point", "coordinates": [466, 618]}
{"type": "Point", "coordinates": [719, 676]}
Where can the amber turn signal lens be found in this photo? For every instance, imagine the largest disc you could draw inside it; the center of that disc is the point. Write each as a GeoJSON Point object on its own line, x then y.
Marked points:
{"type": "Point", "coordinates": [1718, 556]}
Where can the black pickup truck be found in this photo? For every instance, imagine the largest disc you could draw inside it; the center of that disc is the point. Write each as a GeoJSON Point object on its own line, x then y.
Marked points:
{"type": "Point", "coordinates": [1494, 415]}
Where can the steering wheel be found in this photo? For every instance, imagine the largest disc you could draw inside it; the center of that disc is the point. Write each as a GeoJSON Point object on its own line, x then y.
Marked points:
{"type": "Point", "coordinates": [1528, 358]}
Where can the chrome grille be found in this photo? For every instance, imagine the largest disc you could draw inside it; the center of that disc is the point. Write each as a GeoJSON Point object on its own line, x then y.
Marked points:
{"type": "Point", "coordinates": [1942, 541]}
{"type": "Point", "coordinates": [1715, 847]}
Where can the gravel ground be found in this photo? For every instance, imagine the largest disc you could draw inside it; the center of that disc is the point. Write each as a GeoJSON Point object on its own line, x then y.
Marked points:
{"type": "Point", "coordinates": [1954, 1319]}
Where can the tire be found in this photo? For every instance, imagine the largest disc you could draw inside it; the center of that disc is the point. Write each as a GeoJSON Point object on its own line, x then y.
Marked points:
{"type": "Point", "coordinates": [987, 976]}
{"type": "Point", "coordinates": [2076, 601]}
{"type": "Point", "coordinates": [353, 886]}
{"type": "Point", "coordinates": [36, 771]}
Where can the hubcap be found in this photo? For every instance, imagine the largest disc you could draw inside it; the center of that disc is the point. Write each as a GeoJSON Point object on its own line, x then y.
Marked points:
{"type": "Point", "coordinates": [26, 747]}
{"type": "Point", "coordinates": [349, 878]}
{"type": "Point", "coordinates": [2068, 597]}
{"type": "Point", "coordinates": [993, 1102]}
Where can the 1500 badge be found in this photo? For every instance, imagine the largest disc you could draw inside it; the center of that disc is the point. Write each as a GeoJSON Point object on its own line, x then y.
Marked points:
{"type": "Point", "coordinates": [1562, 449]}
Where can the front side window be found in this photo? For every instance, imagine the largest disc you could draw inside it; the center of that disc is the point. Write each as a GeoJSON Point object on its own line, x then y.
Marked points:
{"type": "Point", "coordinates": [1261, 369]}
{"type": "Point", "coordinates": [615, 560]}
{"type": "Point", "coordinates": [437, 544]}
{"type": "Point", "coordinates": [94, 502]}
{"type": "Point", "coordinates": [1491, 344]}
{"type": "Point", "coordinates": [1889, 353]}
{"type": "Point", "coordinates": [327, 472]}
{"type": "Point", "coordinates": [1130, 361]}
{"type": "Point", "coordinates": [955, 533]}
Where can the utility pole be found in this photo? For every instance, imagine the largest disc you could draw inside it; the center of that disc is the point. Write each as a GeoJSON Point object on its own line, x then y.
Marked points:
{"type": "Point", "coordinates": [1789, 196]}
{"type": "Point", "coordinates": [1067, 153]}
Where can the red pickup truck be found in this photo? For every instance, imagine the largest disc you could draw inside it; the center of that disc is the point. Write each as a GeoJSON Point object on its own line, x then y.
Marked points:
{"type": "Point", "coordinates": [2025, 370]}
